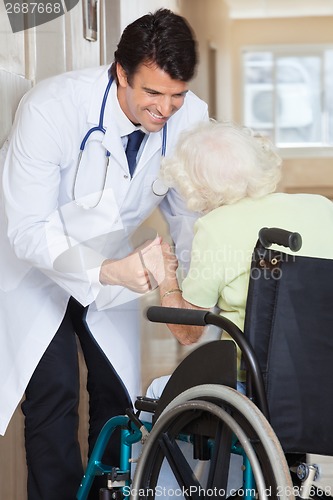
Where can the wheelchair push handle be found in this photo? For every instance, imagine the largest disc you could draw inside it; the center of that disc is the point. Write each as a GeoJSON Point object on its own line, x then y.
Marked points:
{"type": "Point", "coordinates": [176, 316]}
{"type": "Point", "coordinates": [269, 236]}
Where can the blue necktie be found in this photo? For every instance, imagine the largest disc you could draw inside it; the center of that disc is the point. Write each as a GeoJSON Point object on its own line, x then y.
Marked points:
{"type": "Point", "coordinates": [132, 148]}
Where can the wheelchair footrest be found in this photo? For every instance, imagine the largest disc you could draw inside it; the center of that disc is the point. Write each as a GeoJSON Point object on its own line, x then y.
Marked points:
{"type": "Point", "coordinates": [117, 479]}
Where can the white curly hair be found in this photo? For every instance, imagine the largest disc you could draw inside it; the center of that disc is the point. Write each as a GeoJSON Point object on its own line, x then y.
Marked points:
{"type": "Point", "coordinates": [219, 163]}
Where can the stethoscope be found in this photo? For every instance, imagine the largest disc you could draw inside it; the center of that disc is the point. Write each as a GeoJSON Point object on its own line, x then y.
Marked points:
{"type": "Point", "coordinates": [158, 188]}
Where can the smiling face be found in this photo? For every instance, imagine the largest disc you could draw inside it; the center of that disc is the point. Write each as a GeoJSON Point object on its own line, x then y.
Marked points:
{"type": "Point", "coordinates": [152, 98]}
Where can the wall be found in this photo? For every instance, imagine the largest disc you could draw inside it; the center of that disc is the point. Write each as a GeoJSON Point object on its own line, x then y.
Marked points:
{"type": "Point", "coordinates": [299, 174]}
{"type": "Point", "coordinates": [211, 24]}
{"type": "Point", "coordinates": [129, 13]}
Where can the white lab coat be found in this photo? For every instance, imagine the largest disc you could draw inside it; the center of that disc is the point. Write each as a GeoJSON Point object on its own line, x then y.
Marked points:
{"type": "Point", "coordinates": [51, 248]}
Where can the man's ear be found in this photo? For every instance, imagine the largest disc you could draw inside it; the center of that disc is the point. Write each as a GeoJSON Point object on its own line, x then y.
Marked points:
{"type": "Point", "coordinates": [122, 76]}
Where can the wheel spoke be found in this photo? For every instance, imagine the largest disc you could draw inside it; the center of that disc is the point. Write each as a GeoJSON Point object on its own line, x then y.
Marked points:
{"type": "Point", "coordinates": [220, 461]}
{"type": "Point", "coordinates": [180, 467]}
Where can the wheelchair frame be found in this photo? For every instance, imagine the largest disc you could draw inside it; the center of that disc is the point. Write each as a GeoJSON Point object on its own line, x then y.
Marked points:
{"type": "Point", "coordinates": [224, 404]}
{"type": "Point", "coordinates": [133, 430]}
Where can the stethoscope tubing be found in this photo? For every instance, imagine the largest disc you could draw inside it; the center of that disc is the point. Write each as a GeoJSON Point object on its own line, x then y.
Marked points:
{"type": "Point", "coordinates": [100, 126]}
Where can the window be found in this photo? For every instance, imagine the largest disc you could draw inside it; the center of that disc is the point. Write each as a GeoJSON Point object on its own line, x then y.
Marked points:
{"type": "Point", "coordinates": [288, 95]}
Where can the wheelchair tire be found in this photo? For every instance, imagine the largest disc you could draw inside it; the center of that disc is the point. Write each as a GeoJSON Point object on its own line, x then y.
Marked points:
{"type": "Point", "coordinates": [241, 416]}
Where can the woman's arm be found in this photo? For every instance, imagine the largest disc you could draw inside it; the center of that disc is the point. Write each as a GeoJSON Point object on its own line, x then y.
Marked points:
{"type": "Point", "coordinates": [171, 294]}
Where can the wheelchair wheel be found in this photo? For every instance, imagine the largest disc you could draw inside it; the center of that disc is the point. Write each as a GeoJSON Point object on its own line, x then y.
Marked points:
{"type": "Point", "coordinates": [228, 413]}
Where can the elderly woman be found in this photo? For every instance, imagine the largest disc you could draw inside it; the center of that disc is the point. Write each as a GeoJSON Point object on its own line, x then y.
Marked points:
{"type": "Point", "coordinates": [229, 175]}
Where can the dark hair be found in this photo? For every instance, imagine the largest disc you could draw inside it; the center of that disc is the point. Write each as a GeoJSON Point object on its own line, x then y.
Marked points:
{"type": "Point", "coordinates": [162, 38]}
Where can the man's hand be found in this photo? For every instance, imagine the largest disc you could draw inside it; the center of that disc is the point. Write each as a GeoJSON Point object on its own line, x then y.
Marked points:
{"type": "Point", "coordinates": [136, 271]}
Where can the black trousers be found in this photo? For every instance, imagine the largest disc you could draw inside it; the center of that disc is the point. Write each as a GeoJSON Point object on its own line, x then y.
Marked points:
{"type": "Point", "coordinates": [51, 411]}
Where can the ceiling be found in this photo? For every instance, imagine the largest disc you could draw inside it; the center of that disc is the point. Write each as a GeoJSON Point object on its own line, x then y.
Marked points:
{"type": "Point", "coordinates": [279, 8]}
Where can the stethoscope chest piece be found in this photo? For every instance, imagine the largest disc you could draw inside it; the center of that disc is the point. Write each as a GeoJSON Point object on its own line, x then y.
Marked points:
{"type": "Point", "coordinates": [159, 188]}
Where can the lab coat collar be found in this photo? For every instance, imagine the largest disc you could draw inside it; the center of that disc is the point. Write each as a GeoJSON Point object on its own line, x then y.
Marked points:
{"type": "Point", "coordinates": [113, 111]}
{"type": "Point", "coordinates": [117, 125]}
{"type": "Point", "coordinates": [152, 146]}
{"type": "Point", "coordinates": [97, 93]}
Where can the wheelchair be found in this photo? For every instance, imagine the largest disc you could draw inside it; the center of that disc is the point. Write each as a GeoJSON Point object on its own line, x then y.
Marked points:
{"type": "Point", "coordinates": [279, 433]}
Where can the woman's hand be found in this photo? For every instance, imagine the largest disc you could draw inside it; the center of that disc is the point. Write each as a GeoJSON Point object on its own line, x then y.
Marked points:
{"type": "Point", "coordinates": [160, 262]}
{"type": "Point", "coordinates": [132, 272]}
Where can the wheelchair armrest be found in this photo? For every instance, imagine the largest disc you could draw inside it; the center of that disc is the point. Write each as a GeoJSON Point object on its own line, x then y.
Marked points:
{"type": "Point", "coordinates": [143, 403]}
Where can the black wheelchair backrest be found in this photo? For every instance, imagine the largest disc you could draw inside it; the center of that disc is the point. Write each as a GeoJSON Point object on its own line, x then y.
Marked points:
{"type": "Point", "coordinates": [289, 323]}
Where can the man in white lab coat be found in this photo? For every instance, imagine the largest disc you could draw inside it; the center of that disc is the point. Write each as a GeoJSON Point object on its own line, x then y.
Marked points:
{"type": "Point", "coordinates": [67, 264]}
